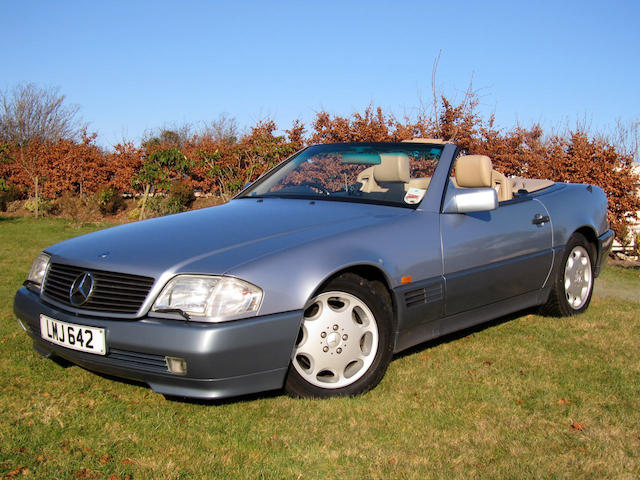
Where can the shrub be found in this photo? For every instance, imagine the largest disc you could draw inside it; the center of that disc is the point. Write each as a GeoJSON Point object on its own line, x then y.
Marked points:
{"type": "Point", "coordinates": [8, 193]}
{"type": "Point", "coordinates": [110, 201]}
{"type": "Point", "coordinates": [170, 205]}
{"type": "Point", "coordinates": [13, 207]}
{"type": "Point", "coordinates": [78, 208]}
{"type": "Point", "coordinates": [155, 206]}
{"type": "Point", "coordinates": [66, 204]}
{"type": "Point", "coordinates": [181, 195]}
{"type": "Point", "coordinates": [134, 214]}
{"type": "Point", "coordinates": [160, 205]}
{"type": "Point", "coordinates": [179, 199]}
{"type": "Point", "coordinates": [44, 205]}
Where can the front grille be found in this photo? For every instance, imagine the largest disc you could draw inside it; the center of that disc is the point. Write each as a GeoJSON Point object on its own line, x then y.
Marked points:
{"type": "Point", "coordinates": [112, 292]}
{"type": "Point", "coordinates": [139, 361]}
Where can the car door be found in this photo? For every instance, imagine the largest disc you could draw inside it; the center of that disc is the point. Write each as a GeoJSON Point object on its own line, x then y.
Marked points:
{"type": "Point", "coordinates": [494, 255]}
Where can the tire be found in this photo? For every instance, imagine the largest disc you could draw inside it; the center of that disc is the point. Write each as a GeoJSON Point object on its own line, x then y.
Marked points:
{"type": "Point", "coordinates": [345, 341]}
{"type": "Point", "coordinates": [573, 284]}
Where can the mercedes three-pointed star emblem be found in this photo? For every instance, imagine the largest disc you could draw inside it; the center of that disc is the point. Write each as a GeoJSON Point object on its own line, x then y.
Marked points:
{"type": "Point", "coordinates": [81, 289]}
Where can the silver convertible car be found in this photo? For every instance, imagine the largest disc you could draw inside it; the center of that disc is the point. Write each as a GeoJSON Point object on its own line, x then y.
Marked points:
{"type": "Point", "coordinates": [315, 275]}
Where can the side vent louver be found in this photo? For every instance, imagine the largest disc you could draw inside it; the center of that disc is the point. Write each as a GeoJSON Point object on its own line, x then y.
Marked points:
{"type": "Point", "coordinates": [420, 296]}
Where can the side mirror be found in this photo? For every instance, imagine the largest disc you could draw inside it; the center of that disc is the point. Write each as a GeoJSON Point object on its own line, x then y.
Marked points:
{"type": "Point", "coordinates": [467, 200]}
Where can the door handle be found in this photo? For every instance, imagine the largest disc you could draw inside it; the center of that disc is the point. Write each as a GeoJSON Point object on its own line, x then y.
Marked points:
{"type": "Point", "coordinates": [540, 219]}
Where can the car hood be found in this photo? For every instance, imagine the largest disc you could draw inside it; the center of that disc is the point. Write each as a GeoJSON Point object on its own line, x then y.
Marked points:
{"type": "Point", "coordinates": [214, 240]}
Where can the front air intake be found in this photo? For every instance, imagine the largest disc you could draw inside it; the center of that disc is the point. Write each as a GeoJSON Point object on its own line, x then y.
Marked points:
{"type": "Point", "coordinates": [110, 292]}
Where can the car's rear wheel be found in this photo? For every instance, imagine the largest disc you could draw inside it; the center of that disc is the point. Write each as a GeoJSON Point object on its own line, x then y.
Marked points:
{"type": "Point", "coordinates": [573, 286]}
{"type": "Point", "coordinates": [344, 344]}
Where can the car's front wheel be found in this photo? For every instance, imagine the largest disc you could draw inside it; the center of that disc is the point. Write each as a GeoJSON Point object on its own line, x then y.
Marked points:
{"type": "Point", "coordinates": [573, 286]}
{"type": "Point", "coordinates": [344, 344]}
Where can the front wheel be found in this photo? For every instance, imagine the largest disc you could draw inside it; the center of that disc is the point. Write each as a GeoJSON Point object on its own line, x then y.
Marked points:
{"type": "Point", "coordinates": [573, 286]}
{"type": "Point", "coordinates": [344, 343]}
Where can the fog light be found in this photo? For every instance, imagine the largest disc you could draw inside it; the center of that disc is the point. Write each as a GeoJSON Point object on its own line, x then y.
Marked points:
{"type": "Point", "coordinates": [177, 365]}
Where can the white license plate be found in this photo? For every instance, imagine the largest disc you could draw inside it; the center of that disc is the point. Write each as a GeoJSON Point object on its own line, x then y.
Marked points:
{"type": "Point", "coordinates": [70, 335]}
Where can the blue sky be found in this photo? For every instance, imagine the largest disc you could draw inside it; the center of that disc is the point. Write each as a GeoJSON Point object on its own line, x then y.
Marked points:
{"type": "Point", "coordinates": [134, 65]}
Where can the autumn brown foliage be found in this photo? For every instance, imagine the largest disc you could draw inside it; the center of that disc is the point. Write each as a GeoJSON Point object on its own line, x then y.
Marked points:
{"type": "Point", "coordinates": [221, 164]}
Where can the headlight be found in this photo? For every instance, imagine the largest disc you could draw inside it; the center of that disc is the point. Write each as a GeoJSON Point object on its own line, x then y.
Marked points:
{"type": "Point", "coordinates": [38, 269]}
{"type": "Point", "coordinates": [215, 299]}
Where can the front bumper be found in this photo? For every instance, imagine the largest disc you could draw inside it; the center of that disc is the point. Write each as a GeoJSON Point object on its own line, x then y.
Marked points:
{"type": "Point", "coordinates": [225, 359]}
{"type": "Point", "coordinates": [605, 241]}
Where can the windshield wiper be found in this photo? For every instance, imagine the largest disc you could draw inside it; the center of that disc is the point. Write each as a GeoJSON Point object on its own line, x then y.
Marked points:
{"type": "Point", "coordinates": [180, 312]}
{"type": "Point", "coordinates": [251, 196]}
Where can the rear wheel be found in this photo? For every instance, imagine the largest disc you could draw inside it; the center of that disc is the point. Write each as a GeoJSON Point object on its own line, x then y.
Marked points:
{"type": "Point", "coordinates": [344, 343]}
{"type": "Point", "coordinates": [573, 286]}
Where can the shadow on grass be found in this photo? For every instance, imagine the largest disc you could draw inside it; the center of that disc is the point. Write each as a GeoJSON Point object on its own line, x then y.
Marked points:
{"type": "Point", "coordinates": [410, 351]}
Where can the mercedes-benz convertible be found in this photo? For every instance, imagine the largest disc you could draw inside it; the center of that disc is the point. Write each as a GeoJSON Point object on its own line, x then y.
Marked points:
{"type": "Point", "coordinates": [312, 277]}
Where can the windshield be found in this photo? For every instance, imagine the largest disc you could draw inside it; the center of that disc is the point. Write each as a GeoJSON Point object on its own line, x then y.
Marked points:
{"type": "Point", "coordinates": [388, 173]}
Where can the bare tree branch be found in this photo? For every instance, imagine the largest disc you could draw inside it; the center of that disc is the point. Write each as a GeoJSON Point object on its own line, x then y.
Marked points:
{"type": "Point", "coordinates": [30, 113]}
{"type": "Point", "coordinates": [224, 128]}
{"type": "Point", "coordinates": [435, 94]}
{"type": "Point", "coordinates": [170, 134]}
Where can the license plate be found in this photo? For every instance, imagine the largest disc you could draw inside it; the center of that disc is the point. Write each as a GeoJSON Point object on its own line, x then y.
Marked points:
{"type": "Point", "coordinates": [70, 335]}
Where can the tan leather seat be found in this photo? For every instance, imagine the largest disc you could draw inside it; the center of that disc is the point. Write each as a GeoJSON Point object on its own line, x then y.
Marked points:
{"type": "Point", "coordinates": [393, 168]}
{"type": "Point", "coordinates": [473, 171]}
{"type": "Point", "coordinates": [421, 182]}
{"type": "Point", "coordinates": [369, 185]}
{"type": "Point", "coordinates": [502, 185]}
{"type": "Point", "coordinates": [476, 171]}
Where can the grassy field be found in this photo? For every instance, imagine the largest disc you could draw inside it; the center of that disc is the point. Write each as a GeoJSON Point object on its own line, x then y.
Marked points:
{"type": "Point", "coordinates": [523, 397]}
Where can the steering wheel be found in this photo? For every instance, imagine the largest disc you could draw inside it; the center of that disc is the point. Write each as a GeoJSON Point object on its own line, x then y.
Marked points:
{"type": "Point", "coordinates": [316, 187]}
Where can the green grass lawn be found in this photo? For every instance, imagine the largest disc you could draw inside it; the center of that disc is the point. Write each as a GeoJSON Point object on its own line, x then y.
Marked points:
{"type": "Point", "coordinates": [523, 397]}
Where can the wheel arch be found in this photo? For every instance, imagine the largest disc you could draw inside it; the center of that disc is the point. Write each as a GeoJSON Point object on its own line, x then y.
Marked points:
{"type": "Point", "coordinates": [590, 234]}
{"type": "Point", "coordinates": [370, 273]}
{"type": "Point", "coordinates": [297, 385]}
{"type": "Point", "coordinates": [556, 303]}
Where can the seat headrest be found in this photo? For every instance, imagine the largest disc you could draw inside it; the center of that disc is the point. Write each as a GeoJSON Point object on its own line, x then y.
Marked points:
{"type": "Point", "coordinates": [473, 171]}
{"type": "Point", "coordinates": [394, 167]}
